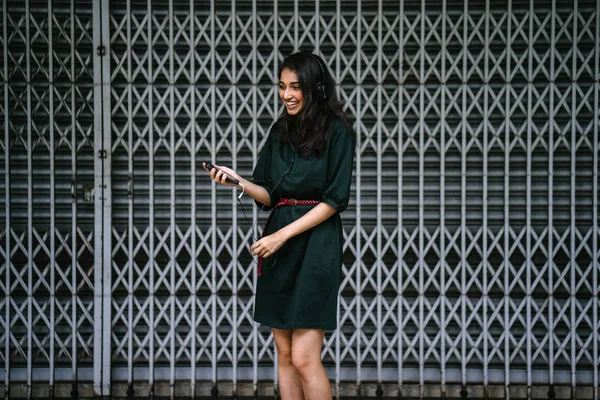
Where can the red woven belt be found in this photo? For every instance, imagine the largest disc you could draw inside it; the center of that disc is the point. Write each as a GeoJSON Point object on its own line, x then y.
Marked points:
{"type": "Point", "coordinates": [282, 202]}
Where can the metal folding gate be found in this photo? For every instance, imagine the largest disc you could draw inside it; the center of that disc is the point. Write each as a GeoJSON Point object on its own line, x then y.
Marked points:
{"type": "Point", "coordinates": [471, 241]}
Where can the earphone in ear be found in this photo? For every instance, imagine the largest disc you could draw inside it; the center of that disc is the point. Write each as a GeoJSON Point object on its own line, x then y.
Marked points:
{"type": "Point", "coordinates": [321, 83]}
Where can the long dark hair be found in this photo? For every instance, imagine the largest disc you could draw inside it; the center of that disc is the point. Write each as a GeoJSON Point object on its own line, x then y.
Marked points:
{"type": "Point", "coordinates": [308, 129]}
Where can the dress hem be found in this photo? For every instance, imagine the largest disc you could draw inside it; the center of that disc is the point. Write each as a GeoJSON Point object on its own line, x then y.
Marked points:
{"type": "Point", "coordinates": [296, 326]}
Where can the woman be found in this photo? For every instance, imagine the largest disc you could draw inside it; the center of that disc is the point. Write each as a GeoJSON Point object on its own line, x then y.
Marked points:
{"type": "Point", "coordinates": [303, 174]}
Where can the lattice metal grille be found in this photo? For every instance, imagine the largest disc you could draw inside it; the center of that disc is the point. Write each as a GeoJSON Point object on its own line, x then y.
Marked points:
{"type": "Point", "coordinates": [471, 242]}
{"type": "Point", "coordinates": [46, 157]}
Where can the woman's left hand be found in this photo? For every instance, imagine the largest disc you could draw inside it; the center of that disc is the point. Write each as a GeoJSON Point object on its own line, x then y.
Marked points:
{"type": "Point", "coordinates": [268, 245]}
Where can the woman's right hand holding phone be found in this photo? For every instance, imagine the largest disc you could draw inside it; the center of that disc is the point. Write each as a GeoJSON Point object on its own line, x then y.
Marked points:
{"type": "Point", "coordinates": [228, 177]}
{"type": "Point", "coordinates": [220, 174]}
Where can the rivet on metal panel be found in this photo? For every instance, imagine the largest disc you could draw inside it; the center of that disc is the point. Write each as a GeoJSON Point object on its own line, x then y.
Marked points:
{"type": "Point", "coordinates": [101, 50]}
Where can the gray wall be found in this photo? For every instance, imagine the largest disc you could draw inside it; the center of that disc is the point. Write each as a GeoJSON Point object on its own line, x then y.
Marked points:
{"type": "Point", "coordinates": [471, 254]}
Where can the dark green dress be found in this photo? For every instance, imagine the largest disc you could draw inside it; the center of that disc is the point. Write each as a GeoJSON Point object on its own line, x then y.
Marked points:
{"type": "Point", "coordinates": [300, 282]}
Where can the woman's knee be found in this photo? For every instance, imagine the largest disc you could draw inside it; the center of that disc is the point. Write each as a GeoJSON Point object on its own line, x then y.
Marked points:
{"type": "Point", "coordinates": [283, 343]}
{"type": "Point", "coordinates": [284, 355]}
{"type": "Point", "coordinates": [306, 349]}
{"type": "Point", "coordinates": [303, 361]}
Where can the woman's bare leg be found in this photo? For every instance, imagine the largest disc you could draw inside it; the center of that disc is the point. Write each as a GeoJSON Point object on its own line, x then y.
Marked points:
{"type": "Point", "coordinates": [290, 385]}
{"type": "Point", "coordinates": [306, 357]}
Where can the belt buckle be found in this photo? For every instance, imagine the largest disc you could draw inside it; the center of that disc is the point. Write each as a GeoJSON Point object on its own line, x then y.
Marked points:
{"type": "Point", "coordinates": [294, 202]}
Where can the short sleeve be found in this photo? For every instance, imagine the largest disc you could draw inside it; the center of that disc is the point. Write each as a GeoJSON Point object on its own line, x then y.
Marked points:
{"type": "Point", "coordinates": [339, 167]}
{"type": "Point", "coordinates": [262, 172]}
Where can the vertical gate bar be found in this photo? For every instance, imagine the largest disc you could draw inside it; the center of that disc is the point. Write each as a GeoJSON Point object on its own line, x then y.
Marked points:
{"type": "Point", "coordinates": [421, 261]}
{"type": "Point", "coordinates": [339, 324]}
{"type": "Point", "coordinates": [276, 58]}
{"type": "Point", "coordinates": [400, 241]}
{"type": "Point", "coordinates": [151, 256]}
{"type": "Point", "coordinates": [551, 299]}
{"type": "Point", "coordinates": [529, 150]}
{"type": "Point", "coordinates": [97, 204]}
{"type": "Point", "coordinates": [254, 332]}
{"type": "Point", "coordinates": [52, 232]}
{"type": "Point", "coordinates": [595, 166]}
{"type": "Point", "coordinates": [213, 142]}
{"type": "Point", "coordinates": [572, 236]}
{"type": "Point", "coordinates": [74, 204]}
{"type": "Point", "coordinates": [234, 221]}
{"type": "Point", "coordinates": [194, 258]}
{"type": "Point", "coordinates": [107, 202]}
{"type": "Point", "coordinates": [463, 201]}
{"type": "Point", "coordinates": [130, 231]}
{"type": "Point", "coordinates": [318, 30]}
{"type": "Point", "coordinates": [172, 229]}
{"type": "Point", "coordinates": [358, 194]}
{"type": "Point", "coordinates": [6, 206]}
{"type": "Point", "coordinates": [596, 150]}
{"type": "Point", "coordinates": [443, 288]}
{"type": "Point", "coordinates": [296, 34]}
{"type": "Point", "coordinates": [486, 251]}
{"type": "Point", "coordinates": [379, 258]}
{"type": "Point", "coordinates": [275, 101]}
{"type": "Point", "coordinates": [506, 260]}
{"type": "Point", "coordinates": [29, 206]}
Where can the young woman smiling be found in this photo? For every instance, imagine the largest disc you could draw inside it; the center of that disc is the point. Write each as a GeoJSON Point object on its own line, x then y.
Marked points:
{"type": "Point", "coordinates": [303, 175]}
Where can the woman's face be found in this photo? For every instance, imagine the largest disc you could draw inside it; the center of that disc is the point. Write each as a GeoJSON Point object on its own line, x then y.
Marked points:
{"type": "Point", "coordinates": [290, 92]}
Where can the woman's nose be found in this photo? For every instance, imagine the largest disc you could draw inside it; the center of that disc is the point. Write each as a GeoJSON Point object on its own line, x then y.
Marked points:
{"type": "Point", "coordinates": [286, 94]}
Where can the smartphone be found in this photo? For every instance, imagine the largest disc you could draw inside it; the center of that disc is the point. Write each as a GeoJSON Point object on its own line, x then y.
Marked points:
{"type": "Point", "coordinates": [228, 179]}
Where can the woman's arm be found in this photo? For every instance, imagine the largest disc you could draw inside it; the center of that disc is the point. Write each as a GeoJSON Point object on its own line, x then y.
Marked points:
{"type": "Point", "coordinates": [270, 244]}
{"type": "Point", "coordinates": [257, 192]}
{"type": "Point", "coordinates": [321, 212]}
